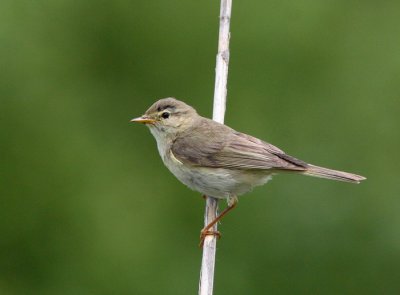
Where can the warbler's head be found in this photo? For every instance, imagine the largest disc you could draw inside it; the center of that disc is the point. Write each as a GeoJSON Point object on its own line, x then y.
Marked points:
{"type": "Point", "coordinates": [168, 116]}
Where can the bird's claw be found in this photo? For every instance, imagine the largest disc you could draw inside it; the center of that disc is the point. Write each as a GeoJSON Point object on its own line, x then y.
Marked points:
{"type": "Point", "coordinates": [205, 233]}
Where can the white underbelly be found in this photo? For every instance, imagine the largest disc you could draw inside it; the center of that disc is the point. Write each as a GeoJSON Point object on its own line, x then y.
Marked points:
{"type": "Point", "coordinates": [216, 182]}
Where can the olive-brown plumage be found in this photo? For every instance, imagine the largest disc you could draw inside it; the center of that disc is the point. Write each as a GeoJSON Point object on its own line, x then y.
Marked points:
{"type": "Point", "coordinates": [217, 160]}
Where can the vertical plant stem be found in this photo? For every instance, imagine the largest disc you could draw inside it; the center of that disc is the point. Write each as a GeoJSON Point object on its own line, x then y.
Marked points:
{"type": "Point", "coordinates": [221, 77]}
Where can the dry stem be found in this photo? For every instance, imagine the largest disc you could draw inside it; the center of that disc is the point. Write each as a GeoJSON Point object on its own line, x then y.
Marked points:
{"type": "Point", "coordinates": [221, 78]}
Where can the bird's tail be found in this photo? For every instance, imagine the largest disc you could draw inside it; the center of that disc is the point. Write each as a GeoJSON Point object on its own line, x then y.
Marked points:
{"type": "Point", "coordinates": [332, 174]}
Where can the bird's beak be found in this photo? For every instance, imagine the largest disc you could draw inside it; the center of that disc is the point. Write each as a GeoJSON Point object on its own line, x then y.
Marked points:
{"type": "Point", "coordinates": [144, 120]}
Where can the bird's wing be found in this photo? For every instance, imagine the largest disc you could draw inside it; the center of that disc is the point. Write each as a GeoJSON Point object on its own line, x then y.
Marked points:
{"type": "Point", "coordinates": [223, 147]}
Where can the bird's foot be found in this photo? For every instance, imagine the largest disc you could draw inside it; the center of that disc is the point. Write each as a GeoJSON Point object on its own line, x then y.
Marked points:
{"type": "Point", "coordinates": [207, 232]}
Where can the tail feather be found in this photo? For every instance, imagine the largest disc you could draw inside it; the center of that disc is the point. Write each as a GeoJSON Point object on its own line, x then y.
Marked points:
{"type": "Point", "coordinates": [332, 174]}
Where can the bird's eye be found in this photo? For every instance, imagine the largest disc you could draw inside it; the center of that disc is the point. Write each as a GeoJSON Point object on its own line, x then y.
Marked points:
{"type": "Point", "coordinates": [165, 115]}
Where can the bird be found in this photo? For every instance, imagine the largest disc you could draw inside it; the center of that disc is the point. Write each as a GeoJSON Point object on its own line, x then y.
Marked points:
{"type": "Point", "coordinates": [218, 161]}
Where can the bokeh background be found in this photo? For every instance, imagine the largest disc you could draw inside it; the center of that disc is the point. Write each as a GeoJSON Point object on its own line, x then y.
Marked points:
{"type": "Point", "coordinates": [87, 206]}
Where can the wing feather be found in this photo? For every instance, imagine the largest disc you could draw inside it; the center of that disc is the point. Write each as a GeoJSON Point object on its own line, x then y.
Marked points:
{"type": "Point", "coordinates": [227, 148]}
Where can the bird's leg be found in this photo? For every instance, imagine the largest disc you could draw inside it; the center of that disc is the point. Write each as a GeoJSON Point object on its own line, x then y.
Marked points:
{"type": "Point", "coordinates": [232, 201]}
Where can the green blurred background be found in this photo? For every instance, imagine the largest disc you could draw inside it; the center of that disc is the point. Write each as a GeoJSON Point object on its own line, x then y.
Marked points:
{"type": "Point", "coordinates": [87, 206]}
